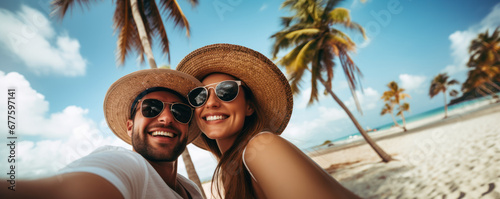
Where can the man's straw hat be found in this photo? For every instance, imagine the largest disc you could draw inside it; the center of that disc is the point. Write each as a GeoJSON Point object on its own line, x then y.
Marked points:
{"type": "Point", "coordinates": [123, 92]}
{"type": "Point", "coordinates": [267, 83]}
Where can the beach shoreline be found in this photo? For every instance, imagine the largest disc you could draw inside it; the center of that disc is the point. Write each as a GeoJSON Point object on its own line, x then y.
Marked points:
{"type": "Point", "coordinates": [457, 157]}
{"type": "Point", "coordinates": [469, 111]}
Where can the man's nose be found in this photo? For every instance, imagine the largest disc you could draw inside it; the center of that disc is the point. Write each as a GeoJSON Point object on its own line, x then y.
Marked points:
{"type": "Point", "coordinates": [166, 116]}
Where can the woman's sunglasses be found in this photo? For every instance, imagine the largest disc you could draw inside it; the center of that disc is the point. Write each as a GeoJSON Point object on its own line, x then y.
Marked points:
{"type": "Point", "coordinates": [151, 108]}
{"type": "Point", "coordinates": [226, 91]}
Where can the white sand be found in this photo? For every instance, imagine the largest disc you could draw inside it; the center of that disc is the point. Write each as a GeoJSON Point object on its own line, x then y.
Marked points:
{"type": "Point", "coordinates": [454, 158]}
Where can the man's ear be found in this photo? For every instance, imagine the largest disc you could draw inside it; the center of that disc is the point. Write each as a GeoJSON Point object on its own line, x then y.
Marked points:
{"type": "Point", "coordinates": [249, 110]}
{"type": "Point", "coordinates": [130, 126]}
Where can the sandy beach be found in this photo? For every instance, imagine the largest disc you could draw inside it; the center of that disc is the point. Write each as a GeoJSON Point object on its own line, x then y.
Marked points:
{"type": "Point", "coordinates": [457, 157]}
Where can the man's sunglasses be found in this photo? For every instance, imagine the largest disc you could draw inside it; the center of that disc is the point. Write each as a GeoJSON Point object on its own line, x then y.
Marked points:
{"type": "Point", "coordinates": [151, 108]}
{"type": "Point", "coordinates": [226, 91]}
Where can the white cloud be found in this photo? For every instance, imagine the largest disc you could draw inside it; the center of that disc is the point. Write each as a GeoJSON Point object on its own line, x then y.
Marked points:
{"type": "Point", "coordinates": [368, 99]}
{"type": "Point", "coordinates": [263, 7]}
{"type": "Point", "coordinates": [29, 35]}
{"type": "Point", "coordinates": [460, 40]}
{"type": "Point", "coordinates": [312, 131]}
{"type": "Point", "coordinates": [61, 137]}
{"type": "Point", "coordinates": [412, 82]}
{"type": "Point", "coordinates": [33, 109]}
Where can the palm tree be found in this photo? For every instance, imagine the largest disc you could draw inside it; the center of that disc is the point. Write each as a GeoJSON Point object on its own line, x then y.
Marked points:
{"type": "Point", "coordinates": [137, 23]}
{"type": "Point", "coordinates": [401, 109]}
{"type": "Point", "coordinates": [484, 63]}
{"type": "Point", "coordinates": [439, 84]}
{"type": "Point", "coordinates": [394, 95]}
{"type": "Point", "coordinates": [485, 49]}
{"type": "Point", "coordinates": [315, 46]}
{"type": "Point", "coordinates": [388, 108]}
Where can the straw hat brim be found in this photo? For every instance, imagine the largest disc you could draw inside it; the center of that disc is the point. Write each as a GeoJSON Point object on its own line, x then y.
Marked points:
{"type": "Point", "coordinates": [268, 84]}
{"type": "Point", "coordinates": [122, 93]}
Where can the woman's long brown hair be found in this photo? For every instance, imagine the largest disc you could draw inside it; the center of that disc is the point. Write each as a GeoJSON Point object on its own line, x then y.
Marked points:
{"type": "Point", "coordinates": [230, 171]}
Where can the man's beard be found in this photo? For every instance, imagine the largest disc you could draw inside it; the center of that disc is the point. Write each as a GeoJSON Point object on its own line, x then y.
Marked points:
{"type": "Point", "coordinates": [141, 145]}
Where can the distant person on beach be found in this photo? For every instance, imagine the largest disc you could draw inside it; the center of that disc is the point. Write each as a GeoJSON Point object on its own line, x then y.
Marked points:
{"type": "Point", "coordinates": [244, 106]}
{"type": "Point", "coordinates": [148, 110]}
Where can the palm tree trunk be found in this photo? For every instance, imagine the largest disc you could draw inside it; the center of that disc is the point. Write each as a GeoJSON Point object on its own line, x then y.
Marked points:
{"type": "Point", "coordinates": [385, 157]}
{"type": "Point", "coordinates": [494, 95]}
{"type": "Point", "coordinates": [445, 105]}
{"type": "Point", "coordinates": [192, 175]}
{"type": "Point", "coordinates": [404, 121]}
{"type": "Point", "coordinates": [480, 92]}
{"type": "Point", "coordinates": [494, 85]}
{"type": "Point", "coordinates": [394, 119]}
{"type": "Point", "coordinates": [142, 34]}
{"type": "Point", "coordinates": [188, 162]}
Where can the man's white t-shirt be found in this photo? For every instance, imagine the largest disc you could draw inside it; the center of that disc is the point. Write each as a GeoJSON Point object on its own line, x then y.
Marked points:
{"type": "Point", "coordinates": [130, 173]}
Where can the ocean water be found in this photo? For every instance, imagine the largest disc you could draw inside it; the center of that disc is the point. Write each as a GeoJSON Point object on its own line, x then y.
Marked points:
{"type": "Point", "coordinates": [412, 118]}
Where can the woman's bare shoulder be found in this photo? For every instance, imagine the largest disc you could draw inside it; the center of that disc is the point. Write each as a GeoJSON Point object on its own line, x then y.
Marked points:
{"type": "Point", "coordinates": [284, 171]}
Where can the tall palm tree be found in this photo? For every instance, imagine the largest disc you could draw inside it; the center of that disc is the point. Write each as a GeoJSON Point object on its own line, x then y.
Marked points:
{"type": "Point", "coordinates": [394, 95]}
{"type": "Point", "coordinates": [137, 23]}
{"type": "Point", "coordinates": [484, 63]}
{"type": "Point", "coordinates": [439, 84]}
{"type": "Point", "coordinates": [316, 43]}
{"type": "Point", "coordinates": [388, 108]}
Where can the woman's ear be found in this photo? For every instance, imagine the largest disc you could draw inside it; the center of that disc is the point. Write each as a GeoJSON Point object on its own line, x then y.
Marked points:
{"type": "Point", "coordinates": [249, 110]}
{"type": "Point", "coordinates": [130, 126]}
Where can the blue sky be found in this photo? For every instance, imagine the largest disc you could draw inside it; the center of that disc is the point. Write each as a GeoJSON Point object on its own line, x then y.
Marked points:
{"type": "Point", "coordinates": [62, 69]}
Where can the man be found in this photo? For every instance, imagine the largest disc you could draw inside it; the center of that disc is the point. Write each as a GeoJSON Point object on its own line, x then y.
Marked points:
{"type": "Point", "coordinates": [147, 109]}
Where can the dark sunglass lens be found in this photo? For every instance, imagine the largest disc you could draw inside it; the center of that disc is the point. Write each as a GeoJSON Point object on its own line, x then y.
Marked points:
{"type": "Point", "coordinates": [227, 90]}
{"type": "Point", "coordinates": [181, 112]}
{"type": "Point", "coordinates": [151, 107]}
{"type": "Point", "coordinates": [197, 96]}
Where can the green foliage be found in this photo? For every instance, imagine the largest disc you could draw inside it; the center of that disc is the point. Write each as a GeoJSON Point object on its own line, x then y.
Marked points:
{"type": "Point", "coordinates": [314, 43]}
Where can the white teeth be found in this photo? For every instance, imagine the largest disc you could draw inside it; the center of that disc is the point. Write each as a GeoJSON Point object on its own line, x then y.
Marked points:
{"type": "Point", "coordinates": [163, 133]}
{"type": "Point", "coordinates": [215, 117]}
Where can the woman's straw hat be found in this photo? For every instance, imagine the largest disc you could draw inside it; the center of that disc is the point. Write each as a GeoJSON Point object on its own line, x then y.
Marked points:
{"type": "Point", "coordinates": [267, 83]}
{"type": "Point", "coordinates": [123, 92]}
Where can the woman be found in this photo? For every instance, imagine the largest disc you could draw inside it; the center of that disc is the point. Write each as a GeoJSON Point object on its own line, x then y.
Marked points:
{"type": "Point", "coordinates": [244, 106]}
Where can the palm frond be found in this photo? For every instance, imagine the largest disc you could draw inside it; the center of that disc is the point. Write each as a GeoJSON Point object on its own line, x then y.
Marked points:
{"type": "Point", "coordinates": [288, 60]}
{"type": "Point", "coordinates": [159, 28]}
{"type": "Point", "coordinates": [299, 36]}
{"type": "Point", "coordinates": [327, 64]}
{"type": "Point", "coordinates": [328, 8]}
{"type": "Point", "coordinates": [342, 16]}
{"type": "Point", "coordinates": [453, 93]}
{"type": "Point", "coordinates": [123, 24]}
{"type": "Point", "coordinates": [175, 12]}
{"type": "Point", "coordinates": [286, 21]}
{"type": "Point", "coordinates": [60, 7]}
{"type": "Point", "coordinates": [339, 15]}
{"type": "Point", "coordinates": [386, 109]}
{"type": "Point", "coordinates": [315, 75]}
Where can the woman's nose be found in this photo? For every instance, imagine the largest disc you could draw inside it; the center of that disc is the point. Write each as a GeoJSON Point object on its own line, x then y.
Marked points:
{"type": "Point", "coordinates": [212, 100]}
